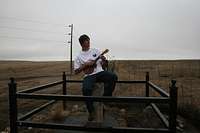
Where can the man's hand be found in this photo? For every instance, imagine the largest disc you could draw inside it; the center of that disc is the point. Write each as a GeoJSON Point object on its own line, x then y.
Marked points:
{"type": "Point", "coordinates": [103, 57]}
{"type": "Point", "coordinates": [89, 63]}
{"type": "Point", "coordinates": [84, 66]}
{"type": "Point", "coordinates": [104, 62]}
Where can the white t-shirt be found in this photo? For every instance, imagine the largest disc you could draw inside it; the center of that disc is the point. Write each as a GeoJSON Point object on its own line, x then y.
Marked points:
{"type": "Point", "coordinates": [84, 56]}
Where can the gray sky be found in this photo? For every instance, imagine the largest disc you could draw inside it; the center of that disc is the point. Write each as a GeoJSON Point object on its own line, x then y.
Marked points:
{"type": "Point", "coordinates": [131, 29]}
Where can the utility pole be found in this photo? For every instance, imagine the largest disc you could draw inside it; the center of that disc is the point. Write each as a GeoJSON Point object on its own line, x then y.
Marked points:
{"type": "Point", "coordinates": [71, 36]}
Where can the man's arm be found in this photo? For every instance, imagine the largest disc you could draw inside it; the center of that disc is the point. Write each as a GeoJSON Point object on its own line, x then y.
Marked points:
{"type": "Point", "coordinates": [84, 66]}
{"type": "Point", "coordinates": [80, 69]}
{"type": "Point", "coordinates": [104, 62]}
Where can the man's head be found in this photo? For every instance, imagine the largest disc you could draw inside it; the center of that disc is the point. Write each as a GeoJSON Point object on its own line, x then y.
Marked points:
{"type": "Point", "coordinates": [84, 40]}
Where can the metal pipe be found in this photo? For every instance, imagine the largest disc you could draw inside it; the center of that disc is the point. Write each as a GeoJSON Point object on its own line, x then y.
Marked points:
{"type": "Point", "coordinates": [13, 105]}
{"type": "Point", "coordinates": [94, 98]}
{"type": "Point", "coordinates": [32, 112]}
{"type": "Point", "coordinates": [37, 88]}
{"type": "Point", "coordinates": [91, 129]}
{"type": "Point", "coordinates": [147, 85]}
{"type": "Point", "coordinates": [160, 115]}
{"type": "Point", "coordinates": [158, 89]}
{"type": "Point", "coordinates": [173, 107]}
{"type": "Point", "coordinates": [64, 90]}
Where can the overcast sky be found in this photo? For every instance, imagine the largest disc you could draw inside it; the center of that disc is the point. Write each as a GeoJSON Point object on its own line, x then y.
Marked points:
{"type": "Point", "coordinates": [131, 29]}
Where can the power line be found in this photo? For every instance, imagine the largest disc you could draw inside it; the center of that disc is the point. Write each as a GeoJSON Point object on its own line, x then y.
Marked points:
{"type": "Point", "coordinates": [28, 20]}
{"type": "Point", "coordinates": [33, 39]}
{"type": "Point", "coordinates": [29, 30]}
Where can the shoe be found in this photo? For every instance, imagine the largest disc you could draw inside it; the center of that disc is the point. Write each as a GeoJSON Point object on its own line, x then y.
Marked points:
{"type": "Point", "coordinates": [91, 116]}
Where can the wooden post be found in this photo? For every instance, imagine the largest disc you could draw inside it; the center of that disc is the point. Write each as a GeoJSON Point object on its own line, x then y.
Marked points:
{"type": "Point", "coordinates": [64, 90]}
{"type": "Point", "coordinates": [173, 107]}
{"type": "Point", "coordinates": [13, 105]}
{"type": "Point", "coordinates": [71, 35]}
{"type": "Point", "coordinates": [147, 85]}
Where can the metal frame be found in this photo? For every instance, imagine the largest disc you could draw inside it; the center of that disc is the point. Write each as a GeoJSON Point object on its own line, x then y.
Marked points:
{"type": "Point", "coordinates": [165, 98]}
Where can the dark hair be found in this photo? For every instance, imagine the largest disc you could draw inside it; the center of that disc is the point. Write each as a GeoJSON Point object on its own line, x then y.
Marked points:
{"type": "Point", "coordinates": [83, 38]}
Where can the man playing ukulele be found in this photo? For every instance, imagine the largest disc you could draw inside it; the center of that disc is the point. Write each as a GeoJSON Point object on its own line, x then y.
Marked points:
{"type": "Point", "coordinates": [90, 61]}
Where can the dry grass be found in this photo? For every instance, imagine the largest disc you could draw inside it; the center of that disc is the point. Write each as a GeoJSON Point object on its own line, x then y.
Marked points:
{"type": "Point", "coordinates": [30, 74]}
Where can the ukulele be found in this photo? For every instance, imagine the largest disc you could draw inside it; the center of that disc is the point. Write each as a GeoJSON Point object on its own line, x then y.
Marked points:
{"type": "Point", "coordinates": [90, 69]}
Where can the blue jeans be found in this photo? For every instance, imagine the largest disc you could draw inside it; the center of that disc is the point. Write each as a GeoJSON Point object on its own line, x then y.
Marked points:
{"type": "Point", "coordinates": [108, 78]}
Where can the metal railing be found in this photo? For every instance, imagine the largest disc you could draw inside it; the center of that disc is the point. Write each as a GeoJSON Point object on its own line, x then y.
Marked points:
{"type": "Point", "coordinates": [164, 98]}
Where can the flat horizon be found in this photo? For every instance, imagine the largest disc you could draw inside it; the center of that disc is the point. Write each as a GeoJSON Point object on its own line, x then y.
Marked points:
{"type": "Point", "coordinates": [23, 60]}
